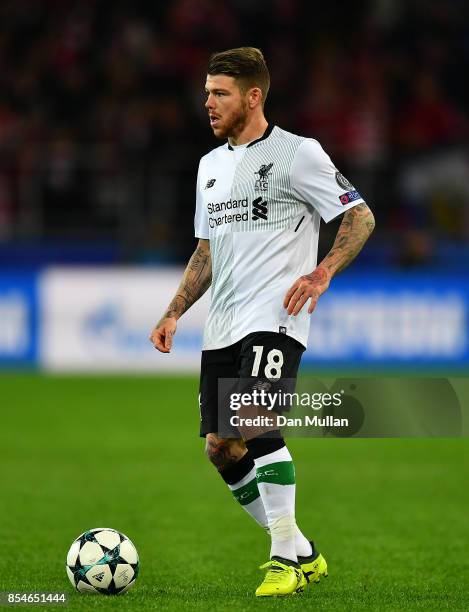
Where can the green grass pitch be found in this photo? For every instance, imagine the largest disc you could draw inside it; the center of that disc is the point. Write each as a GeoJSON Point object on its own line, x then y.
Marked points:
{"type": "Point", "coordinates": [390, 516]}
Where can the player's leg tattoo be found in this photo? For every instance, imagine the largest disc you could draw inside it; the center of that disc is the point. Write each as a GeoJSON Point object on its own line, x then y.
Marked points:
{"type": "Point", "coordinates": [224, 452]}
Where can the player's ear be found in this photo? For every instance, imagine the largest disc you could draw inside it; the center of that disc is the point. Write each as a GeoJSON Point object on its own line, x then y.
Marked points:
{"type": "Point", "coordinates": [254, 97]}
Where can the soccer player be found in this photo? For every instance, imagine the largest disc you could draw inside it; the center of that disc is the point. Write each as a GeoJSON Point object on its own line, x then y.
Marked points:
{"type": "Point", "coordinates": [260, 198]}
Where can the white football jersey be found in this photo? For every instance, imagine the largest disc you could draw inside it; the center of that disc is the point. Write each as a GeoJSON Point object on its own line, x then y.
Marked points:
{"type": "Point", "coordinates": [260, 206]}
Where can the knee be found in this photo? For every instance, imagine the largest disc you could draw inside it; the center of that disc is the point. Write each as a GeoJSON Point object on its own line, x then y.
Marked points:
{"type": "Point", "coordinates": [224, 452]}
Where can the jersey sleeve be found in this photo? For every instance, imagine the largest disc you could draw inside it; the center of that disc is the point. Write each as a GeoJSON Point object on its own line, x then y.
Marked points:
{"type": "Point", "coordinates": [200, 219]}
{"type": "Point", "coordinates": [316, 181]}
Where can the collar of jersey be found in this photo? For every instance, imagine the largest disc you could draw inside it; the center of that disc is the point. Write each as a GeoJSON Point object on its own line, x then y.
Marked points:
{"type": "Point", "coordinates": [265, 135]}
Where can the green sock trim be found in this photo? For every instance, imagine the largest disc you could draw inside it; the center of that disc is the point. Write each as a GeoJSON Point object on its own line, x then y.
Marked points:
{"type": "Point", "coordinates": [282, 473]}
{"type": "Point", "coordinates": [247, 493]}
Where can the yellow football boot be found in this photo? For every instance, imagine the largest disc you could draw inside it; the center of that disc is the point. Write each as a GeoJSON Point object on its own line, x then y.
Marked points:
{"type": "Point", "coordinates": [280, 580]}
{"type": "Point", "coordinates": [314, 566]}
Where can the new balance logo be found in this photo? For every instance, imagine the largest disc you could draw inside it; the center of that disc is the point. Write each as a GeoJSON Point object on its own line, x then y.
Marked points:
{"type": "Point", "coordinates": [259, 209]}
{"type": "Point", "coordinates": [210, 183]}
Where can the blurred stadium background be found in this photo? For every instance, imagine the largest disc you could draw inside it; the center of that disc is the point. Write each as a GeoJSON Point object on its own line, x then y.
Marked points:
{"type": "Point", "coordinates": [101, 127]}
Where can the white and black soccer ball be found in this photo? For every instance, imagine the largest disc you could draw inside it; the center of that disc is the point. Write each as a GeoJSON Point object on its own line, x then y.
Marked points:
{"type": "Point", "coordinates": [102, 561]}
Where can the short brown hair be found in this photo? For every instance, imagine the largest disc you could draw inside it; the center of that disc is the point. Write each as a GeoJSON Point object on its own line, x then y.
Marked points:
{"type": "Point", "coordinates": [245, 64]}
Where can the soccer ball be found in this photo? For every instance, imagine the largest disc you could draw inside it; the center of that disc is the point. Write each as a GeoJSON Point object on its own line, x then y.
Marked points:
{"type": "Point", "coordinates": [102, 561]}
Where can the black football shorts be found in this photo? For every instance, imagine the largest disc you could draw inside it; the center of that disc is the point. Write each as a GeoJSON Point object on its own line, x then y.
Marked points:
{"type": "Point", "coordinates": [261, 358]}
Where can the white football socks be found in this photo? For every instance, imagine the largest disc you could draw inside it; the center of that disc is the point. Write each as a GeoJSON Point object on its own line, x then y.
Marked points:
{"type": "Point", "coordinates": [274, 488]}
{"type": "Point", "coordinates": [247, 493]}
{"type": "Point", "coordinates": [276, 483]}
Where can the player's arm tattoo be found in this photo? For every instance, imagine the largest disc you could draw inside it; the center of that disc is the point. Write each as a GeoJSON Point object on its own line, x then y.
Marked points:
{"type": "Point", "coordinates": [196, 280]}
{"type": "Point", "coordinates": [354, 231]}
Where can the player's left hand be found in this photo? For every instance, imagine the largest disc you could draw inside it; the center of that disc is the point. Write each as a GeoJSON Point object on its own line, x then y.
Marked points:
{"type": "Point", "coordinates": [310, 286]}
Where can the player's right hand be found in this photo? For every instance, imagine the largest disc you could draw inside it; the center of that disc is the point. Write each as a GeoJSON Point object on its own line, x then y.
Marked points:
{"type": "Point", "coordinates": [162, 334]}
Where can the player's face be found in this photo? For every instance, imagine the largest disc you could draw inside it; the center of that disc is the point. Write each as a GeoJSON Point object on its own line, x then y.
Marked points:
{"type": "Point", "coordinates": [227, 106]}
